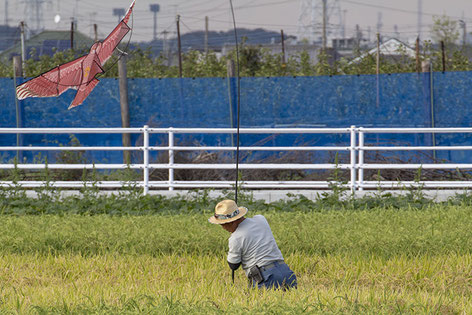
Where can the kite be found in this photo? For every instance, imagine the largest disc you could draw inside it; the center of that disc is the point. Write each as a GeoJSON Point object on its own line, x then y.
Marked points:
{"type": "Point", "coordinates": [78, 74]}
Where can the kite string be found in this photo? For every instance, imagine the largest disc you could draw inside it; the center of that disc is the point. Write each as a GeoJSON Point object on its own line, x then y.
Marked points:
{"type": "Point", "coordinates": [238, 102]}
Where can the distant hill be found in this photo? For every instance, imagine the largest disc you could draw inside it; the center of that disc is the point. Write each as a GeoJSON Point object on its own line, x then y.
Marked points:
{"type": "Point", "coordinates": [47, 43]}
{"type": "Point", "coordinates": [8, 36]}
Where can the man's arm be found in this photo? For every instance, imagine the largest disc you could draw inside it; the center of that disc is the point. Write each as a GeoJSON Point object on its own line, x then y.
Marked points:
{"type": "Point", "coordinates": [234, 252]}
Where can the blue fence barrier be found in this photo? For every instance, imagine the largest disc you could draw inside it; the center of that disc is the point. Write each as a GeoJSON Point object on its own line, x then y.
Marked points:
{"type": "Point", "coordinates": [398, 100]}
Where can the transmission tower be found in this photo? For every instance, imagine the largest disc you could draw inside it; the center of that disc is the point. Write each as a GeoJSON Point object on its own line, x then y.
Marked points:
{"type": "Point", "coordinates": [34, 14]}
{"type": "Point", "coordinates": [318, 18]}
{"type": "Point", "coordinates": [420, 15]}
{"type": "Point", "coordinates": [6, 12]}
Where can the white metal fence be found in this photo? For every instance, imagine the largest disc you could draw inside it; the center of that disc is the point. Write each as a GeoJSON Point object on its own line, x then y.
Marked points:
{"type": "Point", "coordinates": [356, 165]}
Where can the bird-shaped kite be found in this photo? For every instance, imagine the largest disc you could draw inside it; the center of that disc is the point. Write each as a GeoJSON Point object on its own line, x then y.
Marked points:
{"type": "Point", "coordinates": [78, 74]}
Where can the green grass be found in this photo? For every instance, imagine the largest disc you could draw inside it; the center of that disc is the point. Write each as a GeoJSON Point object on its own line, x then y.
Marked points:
{"type": "Point", "coordinates": [381, 260]}
{"type": "Point", "coordinates": [380, 232]}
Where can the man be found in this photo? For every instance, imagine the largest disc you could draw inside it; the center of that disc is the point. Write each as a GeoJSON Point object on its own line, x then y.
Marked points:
{"type": "Point", "coordinates": [253, 246]}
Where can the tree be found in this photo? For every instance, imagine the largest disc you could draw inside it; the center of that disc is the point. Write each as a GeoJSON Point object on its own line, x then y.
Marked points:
{"type": "Point", "coordinates": [444, 29]}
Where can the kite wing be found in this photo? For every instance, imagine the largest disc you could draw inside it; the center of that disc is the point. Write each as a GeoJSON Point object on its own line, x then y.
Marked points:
{"type": "Point", "coordinates": [54, 82]}
{"type": "Point", "coordinates": [89, 82]}
{"type": "Point", "coordinates": [115, 37]}
{"type": "Point", "coordinates": [78, 74]}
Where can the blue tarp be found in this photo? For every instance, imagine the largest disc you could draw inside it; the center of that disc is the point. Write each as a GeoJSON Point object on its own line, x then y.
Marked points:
{"type": "Point", "coordinates": [402, 100]}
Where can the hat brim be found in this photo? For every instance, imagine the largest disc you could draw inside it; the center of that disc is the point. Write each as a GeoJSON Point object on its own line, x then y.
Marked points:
{"type": "Point", "coordinates": [242, 212]}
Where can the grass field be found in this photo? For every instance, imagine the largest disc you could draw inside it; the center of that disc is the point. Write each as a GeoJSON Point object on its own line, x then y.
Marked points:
{"type": "Point", "coordinates": [379, 260]}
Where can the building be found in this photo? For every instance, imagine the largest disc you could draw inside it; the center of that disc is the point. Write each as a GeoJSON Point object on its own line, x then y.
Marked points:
{"type": "Point", "coordinates": [48, 43]}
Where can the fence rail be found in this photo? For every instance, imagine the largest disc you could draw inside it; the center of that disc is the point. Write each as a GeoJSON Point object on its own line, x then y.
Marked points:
{"type": "Point", "coordinates": [356, 165]}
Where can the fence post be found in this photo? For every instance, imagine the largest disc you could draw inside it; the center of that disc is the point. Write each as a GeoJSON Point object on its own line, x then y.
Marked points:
{"type": "Point", "coordinates": [146, 159]}
{"type": "Point", "coordinates": [171, 159]}
{"type": "Point", "coordinates": [18, 72]}
{"type": "Point", "coordinates": [361, 160]}
{"type": "Point", "coordinates": [124, 105]}
{"type": "Point", "coordinates": [353, 159]}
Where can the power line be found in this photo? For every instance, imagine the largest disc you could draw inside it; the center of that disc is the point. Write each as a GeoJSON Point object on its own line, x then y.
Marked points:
{"type": "Point", "coordinates": [370, 5]}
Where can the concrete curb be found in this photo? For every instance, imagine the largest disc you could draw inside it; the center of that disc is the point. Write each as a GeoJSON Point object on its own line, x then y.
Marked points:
{"type": "Point", "coordinates": [275, 195]}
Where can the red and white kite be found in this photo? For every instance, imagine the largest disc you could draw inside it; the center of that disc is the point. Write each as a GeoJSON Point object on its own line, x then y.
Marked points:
{"type": "Point", "coordinates": [78, 74]}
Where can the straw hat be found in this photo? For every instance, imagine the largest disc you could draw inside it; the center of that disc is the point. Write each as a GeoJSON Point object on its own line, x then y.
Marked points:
{"type": "Point", "coordinates": [227, 211]}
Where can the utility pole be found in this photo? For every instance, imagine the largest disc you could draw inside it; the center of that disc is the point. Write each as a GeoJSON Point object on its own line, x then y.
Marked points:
{"type": "Point", "coordinates": [23, 53]}
{"type": "Point", "coordinates": [443, 54]}
{"type": "Point", "coordinates": [344, 24]}
{"type": "Point", "coordinates": [395, 30]}
{"type": "Point", "coordinates": [95, 31]}
{"type": "Point", "coordinates": [126, 138]}
{"type": "Point", "coordinates": [206, 34]}
{"type": "Point", "coordinates": [464, 33]}
{"type": "Point", "coordinates": [378, 54]}
{"type": "Point", "coordinates": [358, 37]}
{"type": "Point", "coordinates": [166, 48]}
{"type": "Point", "coordinates": [72, 34]}
{"type": "Point", "coordinates": [283, 47]}
{"type": "Point", "coordinates": [418, 65]}
{"type": "Point", "coordinates": [177, 20]}
{"type": "Point", "coordinates": [325, 17]}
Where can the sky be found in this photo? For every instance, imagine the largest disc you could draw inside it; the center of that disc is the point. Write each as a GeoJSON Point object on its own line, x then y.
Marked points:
{"type": "Point", "coordinates": [399, 17]}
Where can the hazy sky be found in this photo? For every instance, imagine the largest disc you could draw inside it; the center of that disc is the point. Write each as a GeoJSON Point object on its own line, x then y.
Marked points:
{"type": "Point", "coordinates": [268, 14]}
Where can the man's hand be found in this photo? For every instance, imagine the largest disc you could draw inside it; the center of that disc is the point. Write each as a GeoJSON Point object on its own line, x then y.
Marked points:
{"type": "Point", "coordinates": [234, 266]}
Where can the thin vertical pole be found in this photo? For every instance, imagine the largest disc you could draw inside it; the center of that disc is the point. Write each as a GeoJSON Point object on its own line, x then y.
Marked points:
{"type": "Point", "coordinates": [361, 160]}
{"type": "Point", "coordinates": [443, 55]}
{"type": "Point", "coordinates": [378, 71]}
{"type": "Point", "coordinates": [353, 159]}
{"type": "Point", "coordinates": [377, 63]}
{"type": "Point", "coordinates": [239, 103]}
{"type": "Point", "coordinates": [464, 34]}
{"type": "Point", "coordinates": [23, 49]}
{"type": "Point", "coordinates": [179, 45]}
{"type": "Point", "coordinates": [417, 52]}
{"type": "Point", "coordinates": [95, 32]}
{"type": "Point", "coordinates": [72, 35]}
{"type": "Point", "coordinates": [325, 21]}
{"type": "Point", "coordinates": [433, 125]}
{"type": "Point", "coordinates": [283, 47]}
{"type": "Point", "coordinates": [124, 106]}
{"type": "Point", "coordinates": [171, 159]}
{"type": "Point", "coordinates": [146, 159]}
{"type": "Point", "coordinates": [230, 70]}
{"type": "Point", "coordinates": [206, 34]}
{"type": "Point", "coordinates": [17, 71]}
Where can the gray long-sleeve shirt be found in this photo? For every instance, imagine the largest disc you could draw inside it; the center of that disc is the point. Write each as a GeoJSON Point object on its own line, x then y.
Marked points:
{"type": "Point", "coordinates": [253, 244]}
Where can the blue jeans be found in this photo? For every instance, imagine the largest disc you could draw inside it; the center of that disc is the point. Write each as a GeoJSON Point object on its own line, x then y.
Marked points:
{"type": "Point", "coordinates": [279, 276]}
